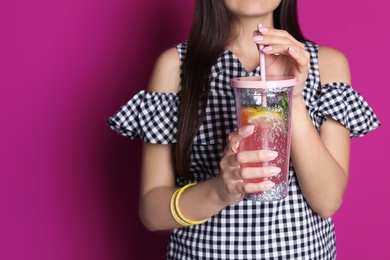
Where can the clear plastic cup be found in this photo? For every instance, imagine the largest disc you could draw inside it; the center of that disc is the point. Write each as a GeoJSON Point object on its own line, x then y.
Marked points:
{"type": "Point", "coordinates": [267, 106]}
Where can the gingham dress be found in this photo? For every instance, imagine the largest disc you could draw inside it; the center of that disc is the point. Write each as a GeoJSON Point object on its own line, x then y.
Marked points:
{"type": "Point", "coordinates": [286, 229]}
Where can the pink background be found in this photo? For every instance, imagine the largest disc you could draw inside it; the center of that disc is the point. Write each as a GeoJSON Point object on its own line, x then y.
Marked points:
{"type": "Point", "coordinates": [69, 185]}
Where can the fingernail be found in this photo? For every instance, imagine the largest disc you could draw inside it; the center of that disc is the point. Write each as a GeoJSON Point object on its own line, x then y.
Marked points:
{"type": "Point", "coordinates": [274, 170]}
{"type": "Point", "coordinates": [263, 29]}
{"type": "Point", "coordinates": [270, 185]}
{"type": "Point", "coordinates": [258, 38]}
{"type": "Point", "coordinates": [272, 154]}
{"type": "Point", "coordinates": [267, 48]}
{"type": "Point", "coordinates": [249, 128]}
{"type": "Point", "coordinates": [291, 49]}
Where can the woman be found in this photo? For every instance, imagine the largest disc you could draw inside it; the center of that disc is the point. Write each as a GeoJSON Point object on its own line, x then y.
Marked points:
{"type": "Point", "coordinates": [187, 120]}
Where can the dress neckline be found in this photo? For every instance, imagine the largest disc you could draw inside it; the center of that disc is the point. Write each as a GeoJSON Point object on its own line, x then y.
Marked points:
{"type": "Point", "coordinates": [255, 72]}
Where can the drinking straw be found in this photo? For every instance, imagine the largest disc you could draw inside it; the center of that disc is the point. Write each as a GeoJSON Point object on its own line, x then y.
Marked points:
{"type": "Point", "coordinates": [263, 96]}
{"type": "Point", "coordinates": [262, 68]}
{"type": "Point", "coordinates": [262, 59]}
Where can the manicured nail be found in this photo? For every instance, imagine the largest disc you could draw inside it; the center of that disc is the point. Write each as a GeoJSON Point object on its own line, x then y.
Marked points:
{"type": "Point", "coordinates": [258, 38]}
{"type": "Point", "coordinates": [274, 170]}
{"type": "Point", "coordinates": [291, 49]}
{"type": "Point", "coordinates": [267, 48]}
{"type": "Point", "coordinates": [270, 185]}
{"type": "Point", "coordinates": [263, 29]}
{"type": "Point", "coordinates": [249, 128]}
{"type": "Point", "coordinates": [272, 154]}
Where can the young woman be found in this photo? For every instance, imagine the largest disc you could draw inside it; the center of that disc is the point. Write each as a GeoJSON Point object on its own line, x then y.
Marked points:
{"type": "Point", "coordinates": [188, 124]}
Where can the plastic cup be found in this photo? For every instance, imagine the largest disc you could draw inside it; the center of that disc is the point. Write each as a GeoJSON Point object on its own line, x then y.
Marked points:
{"type": "Point", "coordinates": [267, 106]}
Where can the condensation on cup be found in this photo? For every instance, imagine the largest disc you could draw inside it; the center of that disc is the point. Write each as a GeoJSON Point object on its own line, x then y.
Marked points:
{"type": "Point", "coordinates": [267, 106]}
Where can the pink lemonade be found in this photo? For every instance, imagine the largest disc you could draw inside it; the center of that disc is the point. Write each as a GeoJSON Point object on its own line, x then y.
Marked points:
{"type": "Point", "coordinates": [270, 133]}
{"type": "Point", "coordinates": [266, 102]}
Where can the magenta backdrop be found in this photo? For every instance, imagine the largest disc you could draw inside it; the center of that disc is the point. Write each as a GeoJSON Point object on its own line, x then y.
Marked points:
{"type": "Point", "coordinates": [69, 185]}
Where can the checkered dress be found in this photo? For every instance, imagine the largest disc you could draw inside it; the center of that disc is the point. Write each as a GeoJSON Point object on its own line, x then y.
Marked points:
{"type": "Point", "coordinates": [286, 229]}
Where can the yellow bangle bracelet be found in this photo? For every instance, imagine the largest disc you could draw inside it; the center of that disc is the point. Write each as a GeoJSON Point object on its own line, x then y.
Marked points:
{"type": "Point", "coordinates": [173, 210]}
{"type": "Point", "coordinates": [189, 221]}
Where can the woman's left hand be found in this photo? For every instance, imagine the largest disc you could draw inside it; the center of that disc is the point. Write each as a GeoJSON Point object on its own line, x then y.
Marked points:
{"type": "Point", "coordinates": [285, 55]}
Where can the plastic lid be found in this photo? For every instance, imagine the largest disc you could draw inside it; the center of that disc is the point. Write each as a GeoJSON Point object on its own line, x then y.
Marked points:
{"type": "Point", "coordinates": [256, 82]}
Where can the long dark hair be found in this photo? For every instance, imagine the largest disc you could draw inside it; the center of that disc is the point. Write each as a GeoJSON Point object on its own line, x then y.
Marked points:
{"type": "Point", "coordinates": [208, 38]}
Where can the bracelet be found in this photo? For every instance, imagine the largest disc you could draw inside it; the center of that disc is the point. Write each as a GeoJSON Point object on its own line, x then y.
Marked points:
{"type": "Point", "coordinates": [175, 209]}
{"type": "Point", "coordinates": [174, 212]}
{"type": "Point", "coordinates": [189, 221]}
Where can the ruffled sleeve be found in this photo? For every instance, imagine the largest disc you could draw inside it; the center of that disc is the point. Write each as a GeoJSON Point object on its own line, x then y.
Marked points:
{"type": "Point", "coordinates": [151, 116]}
{"type": "Point", "coordinates": [344, 104]}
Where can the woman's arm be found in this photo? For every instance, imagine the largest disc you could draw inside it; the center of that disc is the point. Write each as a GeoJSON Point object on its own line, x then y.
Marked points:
{"type": "Point", "coordinates": [322, 160]}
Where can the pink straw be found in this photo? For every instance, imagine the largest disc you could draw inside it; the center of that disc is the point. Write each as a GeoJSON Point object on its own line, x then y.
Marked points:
{"type": "Point", "coordinates": [262, 59]}
{"type": "Point", "coordinates": [264, 97]}
{"type": "Point", "coordinates": [262, 68]}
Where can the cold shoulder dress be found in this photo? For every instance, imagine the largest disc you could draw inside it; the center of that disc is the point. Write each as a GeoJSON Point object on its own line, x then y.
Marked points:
{"type": "Point", "coordinates": [286, 229]}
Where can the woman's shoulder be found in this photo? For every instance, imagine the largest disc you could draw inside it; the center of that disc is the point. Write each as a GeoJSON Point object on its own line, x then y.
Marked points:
{"type": "Point", "coordinates": [333, 65]}
{"type": "Point", "coordinates": [166, 73]}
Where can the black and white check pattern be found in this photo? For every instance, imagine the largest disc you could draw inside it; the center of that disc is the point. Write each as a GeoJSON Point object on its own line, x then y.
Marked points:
{"type": "Point", "coordinates": [286, 229]}
{"type": "Point", "coordinates": [142, 117]}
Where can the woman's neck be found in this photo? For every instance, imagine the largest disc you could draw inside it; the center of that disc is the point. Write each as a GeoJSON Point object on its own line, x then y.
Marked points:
{"type": "Point", "coordinates": [240, 41]}
{"type": "Point", "coordinates": [242, 30]}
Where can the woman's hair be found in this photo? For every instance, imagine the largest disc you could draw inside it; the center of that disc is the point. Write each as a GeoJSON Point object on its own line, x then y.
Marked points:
{"type": "Point", "coordinates": [208, 38]}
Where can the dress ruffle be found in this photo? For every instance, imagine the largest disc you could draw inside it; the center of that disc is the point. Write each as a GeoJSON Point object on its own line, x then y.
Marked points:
{"type": "Point", "coordinates": [344, 104]}
{"type": "Point", "coordinates": [151, 116]}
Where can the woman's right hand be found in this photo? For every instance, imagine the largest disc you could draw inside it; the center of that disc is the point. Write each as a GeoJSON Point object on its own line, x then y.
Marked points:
{"type": "Point", "coordinates": [233, 187]}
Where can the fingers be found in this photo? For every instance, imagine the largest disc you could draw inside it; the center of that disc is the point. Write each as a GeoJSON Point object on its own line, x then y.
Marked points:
{"type": "Point", "coordinates": [257, 179]}
{"type": "Point", "coordinates": [279, 46]}
{"type": "Point", "coordinates": [249, 180]}
{"type": "Point", "coordinates": [243, 157]}
{"type": "Point", "coordinates": [281, 42]}
{"type": "Point", "coordinates": [257, 187]}
{"type": "Point", "coordinates": [236, 137]}
{"type": "Point", "coordinates": [276, 41]}
{"type": "Point", "coordinates": [302, 58]}
{"type": "Point", "coordinates": [253, 179]}
{"type": "Point", "coordinates": [259, 172]}
{"type": "Point", "coordinates": [255, 172]}
{"type": "Point", "coordinates": [234, 176]}
{"type": "Point", "coordinates": [275, 36]}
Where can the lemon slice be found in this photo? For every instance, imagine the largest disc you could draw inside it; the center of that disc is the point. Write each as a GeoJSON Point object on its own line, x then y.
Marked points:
{"type": "Point", "coordinates": [246, 112]}
{"type": "Point", "coordinates": [266, 118]}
